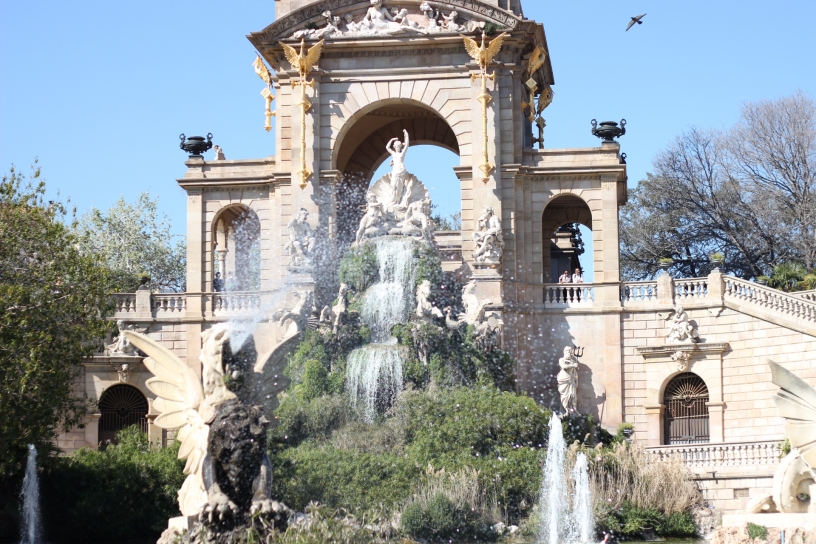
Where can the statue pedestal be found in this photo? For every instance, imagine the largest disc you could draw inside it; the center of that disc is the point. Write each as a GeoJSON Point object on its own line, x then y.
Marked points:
{"type": "Point", "coordinates": [488, 280]}
{"type": "Point", "coordinates": [771, 521]}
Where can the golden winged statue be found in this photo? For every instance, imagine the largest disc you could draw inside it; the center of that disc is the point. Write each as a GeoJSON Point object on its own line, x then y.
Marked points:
{"type": "Point", "coordinates": [536, 60]}
{"type": "Point", "coordinates": [262, 71]}
{"type": "Point", "coordinates": [481, 54]}
{"type": "Point", "coordinates": [305, 60]}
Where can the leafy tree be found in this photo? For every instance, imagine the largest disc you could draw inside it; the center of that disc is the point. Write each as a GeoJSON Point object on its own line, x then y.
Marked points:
{"type": "Point", "coordinates": [53, 300]}
{"type": "Point", "coordinates": [133, 239]}
{"type": "Point", "coordinates": [746, 192]}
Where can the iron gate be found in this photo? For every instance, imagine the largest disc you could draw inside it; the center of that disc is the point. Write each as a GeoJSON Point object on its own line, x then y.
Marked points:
{"type": "Point", "coordinates": [686, 401]}
{"type": "Point", "coordinates": [121, 406]}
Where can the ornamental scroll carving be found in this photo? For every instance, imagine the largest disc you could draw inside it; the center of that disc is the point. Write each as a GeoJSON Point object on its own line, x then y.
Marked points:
{"type": "Point", "coordinates": [467, 10]}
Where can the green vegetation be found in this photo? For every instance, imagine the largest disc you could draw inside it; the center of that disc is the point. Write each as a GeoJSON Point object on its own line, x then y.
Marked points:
{"type": "Point", "coordinates": [757, 532]}
{"type": "Point", "coordinates": [52, 303]}
{"type": "Point", "coordinates": [630, 520]}
{"type": "Point", "coordinates": [125, 493]}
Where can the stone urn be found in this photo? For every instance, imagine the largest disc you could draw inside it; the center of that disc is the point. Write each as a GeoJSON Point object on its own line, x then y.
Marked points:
{"type": "Point", "coordinates": [608, 130]}
{"type": "Point", "coordinates": [664, 266]}
{"type": "Point", "coordinates": [196, 145]}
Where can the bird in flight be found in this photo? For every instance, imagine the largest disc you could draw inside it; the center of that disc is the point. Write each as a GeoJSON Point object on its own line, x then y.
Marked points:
{"type": "Point", "coordinates": [635, 20]}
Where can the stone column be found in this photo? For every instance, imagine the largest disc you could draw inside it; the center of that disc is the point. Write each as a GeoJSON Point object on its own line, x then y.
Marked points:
{"type": "Point", "coordinates": [715, 421]}
{"type": "Point", "coordinates": [221, 257]}
{"type": "Point", "coordinates": [665, 289]}
{"type": "Point", "coordinates": [92, 431]}
{"type": "Point", "coordinates": [195, 303]}
{"type": "Point", "coordinates": [143, 308]}
{"type": "Point", "coordinates": [654, 424]}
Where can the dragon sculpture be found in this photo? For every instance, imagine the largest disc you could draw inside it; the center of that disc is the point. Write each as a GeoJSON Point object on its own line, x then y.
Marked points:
{"type": "Point", "coordinates": [794, 483]}
{"type": "Point", "coordinates": [221, 420]}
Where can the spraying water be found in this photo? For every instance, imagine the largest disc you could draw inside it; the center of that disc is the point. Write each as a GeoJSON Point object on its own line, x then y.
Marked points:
{"type": "Point", "coordinates": [374, 371]}
{"type": "Point", "coordinates": [30, 496]}
{"type": "Point", "coordinates": [553, 497]}
{"type": "Point", "coordinates": [562, 522]}
{"type": "Point", "coordinates": [582, 520]}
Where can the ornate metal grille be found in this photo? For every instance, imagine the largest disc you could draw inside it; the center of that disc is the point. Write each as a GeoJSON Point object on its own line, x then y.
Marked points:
{"type": "Point", "coordinates": [686, 417]}
{"type": "Point", "coordinates": [121, 406]}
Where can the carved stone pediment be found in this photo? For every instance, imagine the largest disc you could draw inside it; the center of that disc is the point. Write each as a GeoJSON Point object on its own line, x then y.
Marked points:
{"type": "Point", "coordinates": [468, 10]}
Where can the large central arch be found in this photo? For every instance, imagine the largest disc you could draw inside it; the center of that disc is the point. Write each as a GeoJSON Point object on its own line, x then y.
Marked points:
{"type": "Point", "coordinates": [360, 148]}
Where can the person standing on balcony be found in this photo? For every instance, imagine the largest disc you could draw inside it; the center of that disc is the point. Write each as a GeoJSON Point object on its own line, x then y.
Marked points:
{"type": "Point", "coordinates": [577, 277]}
{"type": "Point", "coordinates": [218, 283]}
{"type": "Point", "coordinates": [565, 277]}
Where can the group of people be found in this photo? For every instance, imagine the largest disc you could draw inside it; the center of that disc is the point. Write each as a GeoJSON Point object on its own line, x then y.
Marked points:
{"type": "Point", "coordinates": [577, 277]}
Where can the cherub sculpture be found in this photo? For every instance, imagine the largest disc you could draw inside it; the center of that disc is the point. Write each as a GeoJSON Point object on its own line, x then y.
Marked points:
{"type": "Point", "coordinates": [681, 330]}
{"type": "Point", "coordinates": [228, 478]}
{"type": "Point", "coordinates": [301, 239]}
{"type": "Point", "coordinates": [425, 310]}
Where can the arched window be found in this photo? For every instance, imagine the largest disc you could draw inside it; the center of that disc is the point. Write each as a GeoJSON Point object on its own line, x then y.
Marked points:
{"type": "Point", "coordinates": [121, 406]}
{"type": "Point", "coordinates": [686, 416]}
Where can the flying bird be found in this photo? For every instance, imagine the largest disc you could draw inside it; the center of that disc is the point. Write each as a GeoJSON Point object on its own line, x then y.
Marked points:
{"type": "Point", "coordinates": [303, 61]}
{"type": "Point", "coordinates": [483, 55]}
{"type": "Point", "coordinates": [635, 20]}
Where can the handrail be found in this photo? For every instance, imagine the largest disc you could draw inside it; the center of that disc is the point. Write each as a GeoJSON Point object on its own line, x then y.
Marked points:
{"type": "Point", "coordinates": [638, 291]}
{"type": "Point", "coordinates": [725, 454]}
{"type": "Point", "coordinates": [569, 294]}
{"type": "Point", "coordinates": [797, 308]}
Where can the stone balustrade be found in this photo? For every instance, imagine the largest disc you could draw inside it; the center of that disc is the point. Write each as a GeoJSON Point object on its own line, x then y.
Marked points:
{"type": "Point", "coordinates": [567, 295]}
{"type": "Point", "coordinates": [236, 303]}
{"type": "Point", "coordinates": [697, 456]}
{"type": "Point", "coordinates": [793, 307]}
{"type": "Point", "coordinates": [690, 288]}
{"type": "Point", "coordinates": [167, 303]}
{"type": "Point", "coordinates": [144, 305]}
{"type": "Point", "coordinates": [807, 295]}
{"type": "Point", "coordinates": [638, 292]}
{"type": "Point", "coordinates": [124, 303]}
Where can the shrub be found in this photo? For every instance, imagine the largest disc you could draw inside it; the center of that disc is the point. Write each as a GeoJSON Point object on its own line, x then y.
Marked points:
{"type": "Point", "coordinates": [757, 531]}
{"type": "Point", "coordinates": [630, 520]}
{"type": "Point", "coordinates": [358, 268]}
{"type": "Point", "coordinates": [122, 494]}
{"type": "Point", "coordinates": [314, 419]}
{"type": "Point", "coordinates": [341, 478]}
{"type": "Point", "coordinates": [440, 520]}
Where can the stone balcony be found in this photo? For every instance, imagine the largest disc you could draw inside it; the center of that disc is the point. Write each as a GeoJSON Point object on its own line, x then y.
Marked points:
{"type": "Point", "coordinates": [147, 306]}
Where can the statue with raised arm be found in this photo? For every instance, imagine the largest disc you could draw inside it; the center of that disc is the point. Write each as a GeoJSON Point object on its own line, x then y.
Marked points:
{"type": "Point", "coordinates": [568, 380]}
{"type": "Point", "coordinates": [398, 150]}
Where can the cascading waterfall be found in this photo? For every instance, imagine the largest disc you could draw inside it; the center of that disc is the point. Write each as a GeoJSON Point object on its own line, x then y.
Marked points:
{"type": "Point", "coordinates": [374, 371]}
{"type": "Point", "coordinates": [562, 522]}
{"type": "Point", "coordinates": [30, 496]}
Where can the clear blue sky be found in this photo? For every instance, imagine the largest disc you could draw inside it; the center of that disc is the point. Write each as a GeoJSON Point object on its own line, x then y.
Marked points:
{"type": "Point", "coordinates": [100, 90]}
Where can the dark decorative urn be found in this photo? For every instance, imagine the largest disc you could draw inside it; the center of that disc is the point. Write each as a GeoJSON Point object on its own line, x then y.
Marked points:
{"type": "Point", "coordinates": [608, 130]}
{"type": "Point", "coordinates": [196, 145]}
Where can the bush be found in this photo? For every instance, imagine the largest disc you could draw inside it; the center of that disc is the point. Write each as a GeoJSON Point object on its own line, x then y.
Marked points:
{"type": "Point", "coordinates": [358, 268]}
{"type": "Point", "coordinates": [630, 520]}
{"type": "Point", "coordinates": [125, 493]}
{"type": "Point", "coordinates": [757, 531]}
{"type": "Point", "coordinates": [314, 419]}
{"type": "Point", "coordinates": [341, 479]}
{"type": "Point", "coordinates": [440, 520]}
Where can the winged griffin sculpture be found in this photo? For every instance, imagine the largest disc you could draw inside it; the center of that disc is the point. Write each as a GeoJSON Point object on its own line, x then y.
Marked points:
{"type": "Point", "coordinates": [221, 419]}
{"type": "Point", "coordinates": [794, 483]}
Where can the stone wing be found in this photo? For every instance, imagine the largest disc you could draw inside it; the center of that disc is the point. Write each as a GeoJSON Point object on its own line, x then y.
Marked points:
{"type": "Point", "coordinates": [180, 394]}
{"type": "Point", "coordinates": [269, 380]}
{"type": "Point", "coordinates": [796, 402]}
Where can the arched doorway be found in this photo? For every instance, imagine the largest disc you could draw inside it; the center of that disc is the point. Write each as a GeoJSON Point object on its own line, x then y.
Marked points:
{"type": "Point", "coordinates": [567, 239]}
{"type": "Point", "coordinates": [361, 149]}
{"type": "Point", "coordinates": [237, 249]}
{"type": "Point", "coordinates": [686, 414]}
{"type": "Point", "coordinates": [121, 406]}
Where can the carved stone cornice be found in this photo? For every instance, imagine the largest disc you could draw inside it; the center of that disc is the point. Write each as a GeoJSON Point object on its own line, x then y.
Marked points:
{"type": "Point", "coordinates": [297, 19]}
{"type": "Point", "coordinates": [667, 350]}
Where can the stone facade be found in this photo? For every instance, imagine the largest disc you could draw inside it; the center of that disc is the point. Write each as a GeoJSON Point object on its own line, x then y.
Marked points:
{"type": "Point", "coordinates": [368, 90]}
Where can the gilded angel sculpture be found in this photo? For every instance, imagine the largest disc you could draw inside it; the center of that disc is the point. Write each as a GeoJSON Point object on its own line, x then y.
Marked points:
{"type": "Point", "coordinates": [227, 477]}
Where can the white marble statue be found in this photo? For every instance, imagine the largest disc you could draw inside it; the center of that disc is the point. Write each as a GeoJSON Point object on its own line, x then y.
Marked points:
{"type": "Point", "coordinates": [296, 319]}
{"type": "Point", "coordinates": [426, 311]}
{"type": "Point", "coordinates": [794, 482]}
{"type": "Point", "coordinates": [219, 153]}
{"type": "Point", "coordinates": [188, 403]}
{"type": "Point", "coordinates": [449, 22]}
{"type": "Point", "coordinates": [568, 380]}
{"type": "Point", "coordinates": [488, 239]}
{"type": "Point", "coordinates": [332, 27]}
{"type": "Point", "coordinates": [487, 325]}
{"type": "Point", "coordinates": [398, 202]}
{"type": "Point", "coordinates": [121, 346]}
{"type": "Point", "coordinates": [474, 308]}
{"type": "Point", "coordinates": [301, 239]}
{"type": "Point", "coordinates": [681, 331]}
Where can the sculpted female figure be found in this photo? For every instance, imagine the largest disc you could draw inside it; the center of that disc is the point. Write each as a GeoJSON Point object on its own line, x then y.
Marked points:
{"type": "Point", "coordinates": [568, 380]}
{"type": "Point", "coordinates": [377, 16]}
{"type": "Point", "coordinates": [397, 150]}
